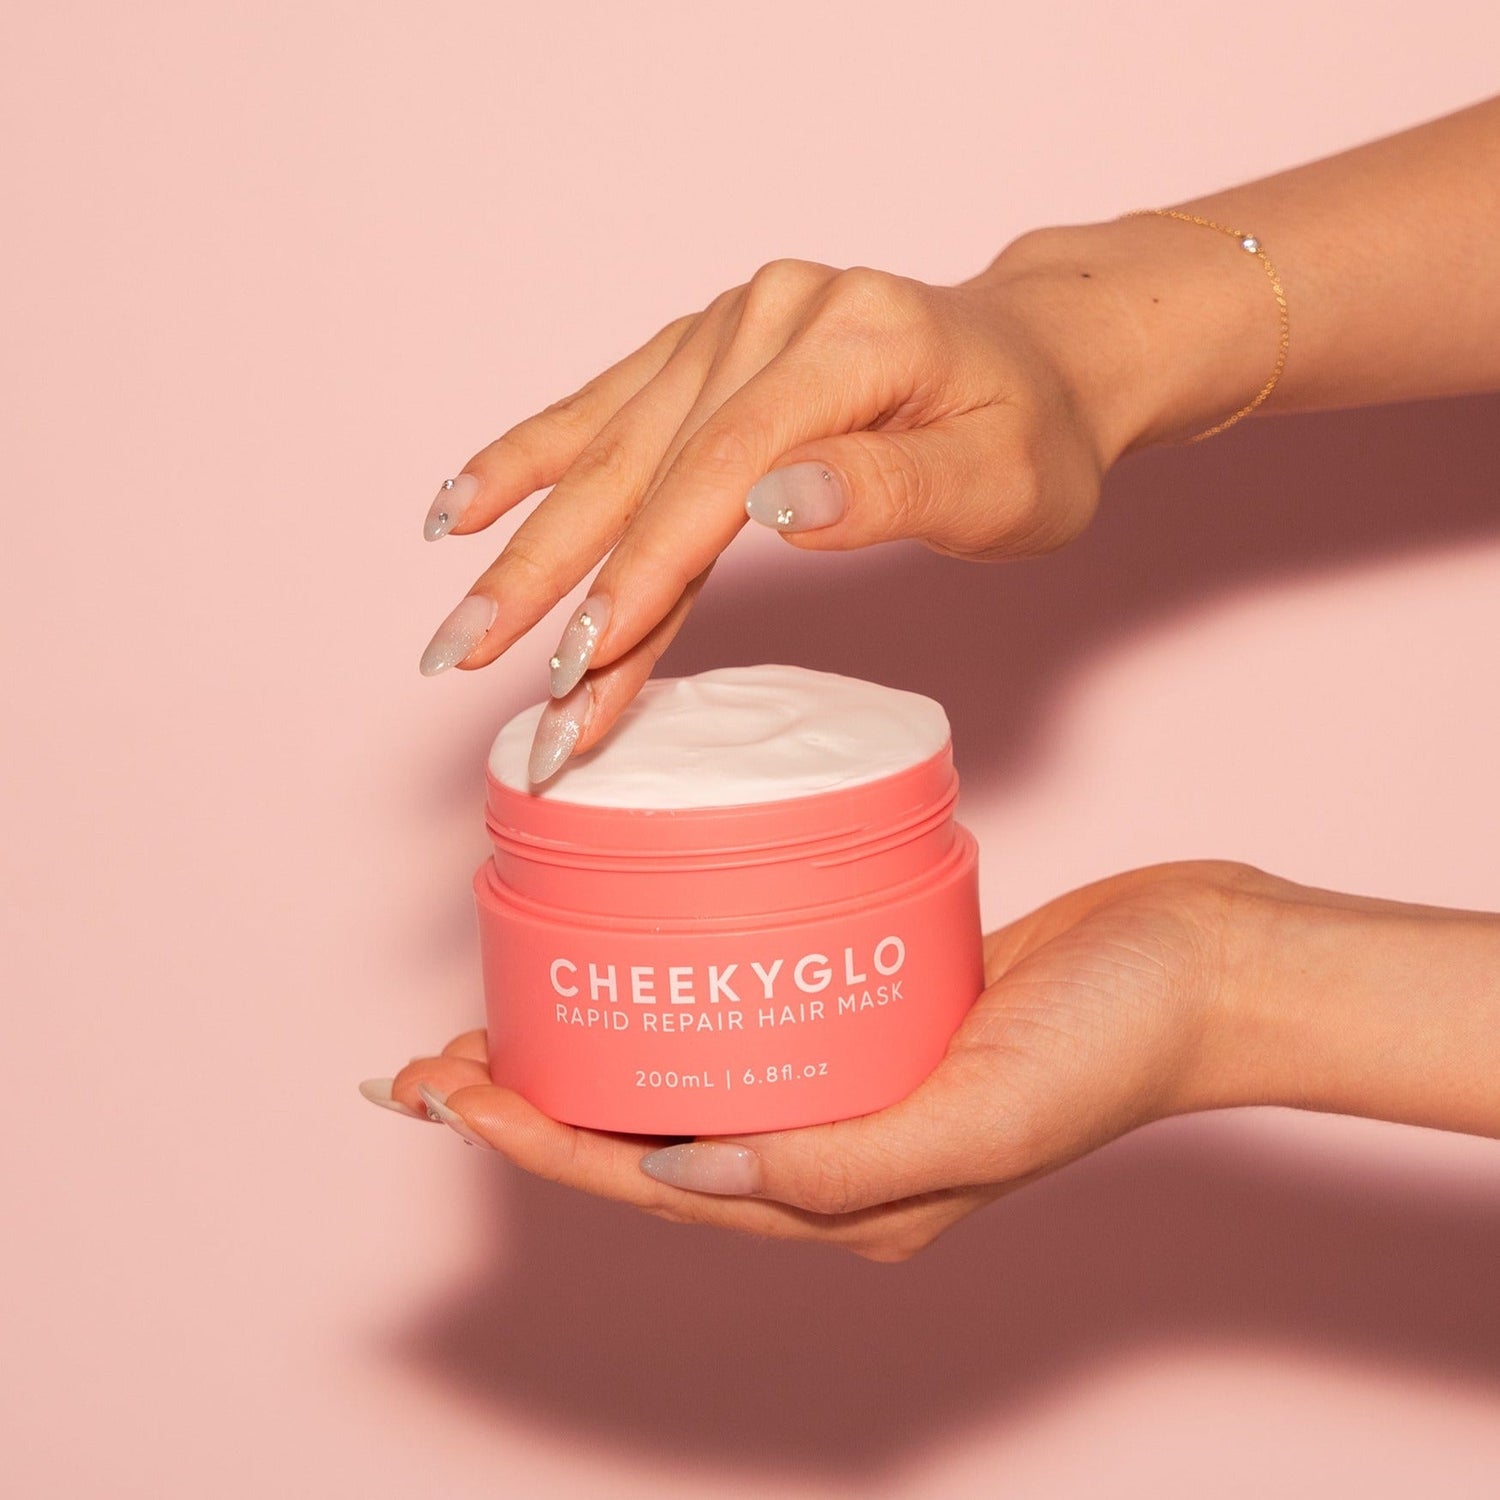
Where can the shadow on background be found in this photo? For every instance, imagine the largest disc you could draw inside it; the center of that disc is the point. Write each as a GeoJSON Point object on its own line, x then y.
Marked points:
{"type": "Point", "coordinates": [999, 644]}
{"type": "Point", "coordinates": [703, 1346]}
{"type": "Point", "coordinates": [779, 1358]}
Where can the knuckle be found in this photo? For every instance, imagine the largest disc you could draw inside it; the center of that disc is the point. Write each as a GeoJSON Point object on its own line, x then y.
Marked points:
{"type": "Point", "coordinates": [524, 568]}
{"type": "Point", "coordinates": [870, 296]}
{"type": "Point", "coordinates": [786, 280]}
{"type": "Point", "coordinates": [605, 461]}
{"type": "Point", "coordinates": [674, 332]}
{"type": "Point", "coordinates": [776, 293]}
{"type": "Point", "coordinates": [534, 442]}
{"type": "Point", "coordinates": [831, 1189]}
{"type": "Point", "coordinates": [903, 485]}
{"type": "Point", "coordinates": [658, 559]}
{"type": "Point", "coordinates": [719, 451]}
{"type": "Point", "coordinates": [572, 412]}
{"type": "Point", "coordinates": [713, 317]}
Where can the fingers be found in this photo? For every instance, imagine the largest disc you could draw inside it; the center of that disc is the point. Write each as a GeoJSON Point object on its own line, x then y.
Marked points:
{"type": "Point", "coordinates": [538, 451]}
{"type": "Point", "coordinates": [583, 716]}
{"type": "Point", "coordinates": [454, 1087]}
{"type": "Point", "coordinates": [463, 1061]}
{"type": "Point", "coordinates": [946, 1136]}
{"type": "Point", "coordinates": [607, 1165]}
{"type": "Point", "coordinates": [799, 354]}
{"type": "Point", "coordinates": [402, 1093]}
{"type": "Point", "coordinates": [731, 366]}
{"type": "Point", "coordinates": [699, 505]}
{"type": "Point", "coordinates": [579, 521]}
{"type": "Point", "coordinates": [473, 1045]}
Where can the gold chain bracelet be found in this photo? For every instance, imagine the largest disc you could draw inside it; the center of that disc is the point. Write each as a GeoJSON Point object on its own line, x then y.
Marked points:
{"type": "Point", "coordinates": [1252, 244]}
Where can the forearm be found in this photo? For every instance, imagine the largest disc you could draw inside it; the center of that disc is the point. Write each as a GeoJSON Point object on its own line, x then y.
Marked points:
{"type": "Point", "coordinates": [1360, 1007]}
{"type": "Point", "coordinates": [1389, 255]}
{"type": "Point", "coordinates": [1392, 252]}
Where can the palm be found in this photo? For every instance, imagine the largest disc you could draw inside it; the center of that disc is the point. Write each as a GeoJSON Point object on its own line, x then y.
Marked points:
{"type": "Point", "coordinates": [1084, 1031]}
{"type": "Point", "coordinates": [1086, 1021]}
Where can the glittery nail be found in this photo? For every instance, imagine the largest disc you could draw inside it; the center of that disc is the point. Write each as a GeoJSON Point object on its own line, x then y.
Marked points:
{"type": "Point", "coordinates": [706, 1167]}
{"type": "Point", "coordinates": [459, 634]}
{"type": "Point", "coordinates": [557, 731]}
{"type": "Point", "coordinates": [576, 648]}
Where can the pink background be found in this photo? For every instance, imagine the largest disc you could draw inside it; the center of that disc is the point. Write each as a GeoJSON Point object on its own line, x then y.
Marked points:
{"type": "Point", "coordinates": [274, 270]}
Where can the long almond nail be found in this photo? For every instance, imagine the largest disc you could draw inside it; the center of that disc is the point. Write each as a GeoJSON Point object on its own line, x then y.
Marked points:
{"type": "Point", "coordinates": [378, 1091]}
{"type": "Point", "coordinates": [576, 648]}
{"type": "Point", "coordinates": [800, 497]}
{"type": "Point", "coordinates": [454, 497]}
{"type": "Point", "coordinates": [437, 1109]}
{"type": "Point", "coordinates": [557, 731]}
{"type": "Point", "coordinates": [459, 634]}
{"type": "Point", "coordinates": [706, 1167]}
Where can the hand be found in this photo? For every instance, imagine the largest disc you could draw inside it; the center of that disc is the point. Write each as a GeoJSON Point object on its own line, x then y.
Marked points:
{"type": "Point", "coordinates": [1098, 1016]}
{"type": "Point", "coordinates": [850, 407]}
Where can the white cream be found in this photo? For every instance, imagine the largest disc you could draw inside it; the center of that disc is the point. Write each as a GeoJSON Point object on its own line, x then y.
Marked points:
{"type": "Point", "coordinates": [734, 736]}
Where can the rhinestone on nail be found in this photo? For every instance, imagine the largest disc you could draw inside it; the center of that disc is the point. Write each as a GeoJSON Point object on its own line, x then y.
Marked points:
{"type": "Point", "coordinates": [447, 484]}
{"type": "Point", "coordinates": [1250, 243]}
{"type": "Point", "coordinates": [784, 516]}
{"type": "Point", "coordinates": [586, 621]}
{"type": "Point", "coordinates": [442, 518]}
{"type": "Point", "coordinates": [555, 663]}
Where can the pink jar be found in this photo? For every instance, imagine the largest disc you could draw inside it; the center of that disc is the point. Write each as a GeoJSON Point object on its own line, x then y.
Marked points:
{"type": "Point", "coordinates": [719, 969]}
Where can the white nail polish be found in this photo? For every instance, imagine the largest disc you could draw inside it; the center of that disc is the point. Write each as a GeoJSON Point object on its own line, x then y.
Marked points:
{"type": "Point", "coordinates": [378, 1091]}
{"type": "Point", "coordinates": [557, 731]}
{"type": "Point", "coordinates": [706, 1167]}
{"type": "Point", "coordinates": [459, 634]}
{"type": "Point", "coordinates": [454, 497]}
{"type": "Point", "coordinates": [437, 1109]}
{"type": "Point", "coordinates": [576, 648]}
{"type": "Point", "coordinates": [800, 497]}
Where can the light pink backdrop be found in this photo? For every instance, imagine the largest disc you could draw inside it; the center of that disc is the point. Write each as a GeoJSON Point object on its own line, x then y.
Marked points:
{"type": "Point", "coordinates": [273, 270]}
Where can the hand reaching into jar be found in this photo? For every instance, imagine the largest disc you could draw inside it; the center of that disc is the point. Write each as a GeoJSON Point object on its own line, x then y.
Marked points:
{"type": "Point", "coordinates": [846, 407]}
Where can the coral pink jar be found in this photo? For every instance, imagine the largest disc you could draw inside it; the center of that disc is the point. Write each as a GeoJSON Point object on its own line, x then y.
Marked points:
{"type": "Point", "coordinates": [730, 966]}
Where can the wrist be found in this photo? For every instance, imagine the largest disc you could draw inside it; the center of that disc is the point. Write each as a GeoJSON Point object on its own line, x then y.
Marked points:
{"type": "Point", "coordinates": [1159, 329]}
{"type": "Point", "coordinates": [1353, 1005]}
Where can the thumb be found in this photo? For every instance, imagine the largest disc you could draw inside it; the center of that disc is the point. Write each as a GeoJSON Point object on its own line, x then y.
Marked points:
{"type": "Point", "coordinates": [938, 484]}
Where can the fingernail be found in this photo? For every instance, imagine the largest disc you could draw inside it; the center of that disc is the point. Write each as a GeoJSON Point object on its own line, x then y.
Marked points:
{"type": "Point", "coordinates": [437, 1109]}
{"type": "Point", "coordinates": [576, 648]}
{"type": "Point", "coordinates": [800, 497]}
{"type": "Point", "coordinates": [454, 497]}
{"type": "Point", "coordinates": [557, 732]}
{"type": "Point", "coordinates": [378, 1091]}
{"type": "Point", "coordinates": [706, 1167]}
{"type": "Point", "coordinates": [459, 634]}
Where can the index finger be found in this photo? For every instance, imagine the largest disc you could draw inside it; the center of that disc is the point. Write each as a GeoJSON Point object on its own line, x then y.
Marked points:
{"type": "Point", "coordinates": [538, 451]}
{"type": "Point", "coordinates": [813, 389]}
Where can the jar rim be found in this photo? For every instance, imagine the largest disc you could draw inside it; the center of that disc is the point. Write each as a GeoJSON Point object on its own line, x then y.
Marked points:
{"type": "Point", "coordinates": [833, 822]}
